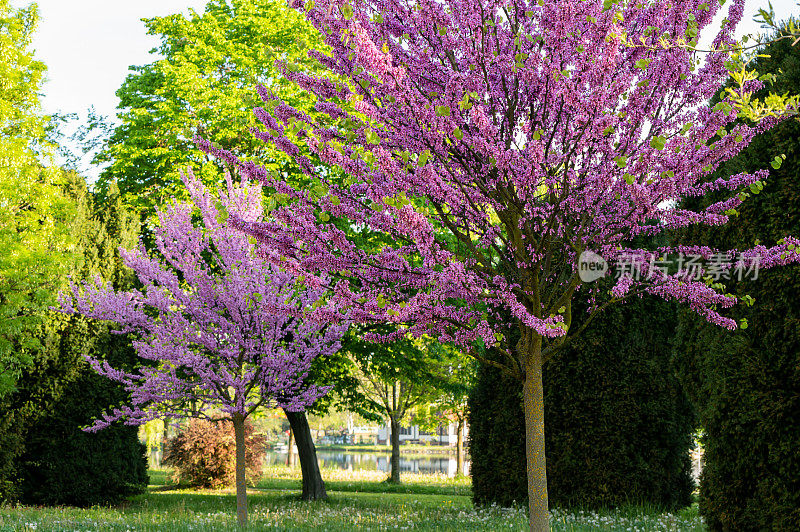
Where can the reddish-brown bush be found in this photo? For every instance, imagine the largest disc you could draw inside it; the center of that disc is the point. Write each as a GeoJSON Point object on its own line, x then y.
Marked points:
{"type": "Point", "coordinates": [204, 453]}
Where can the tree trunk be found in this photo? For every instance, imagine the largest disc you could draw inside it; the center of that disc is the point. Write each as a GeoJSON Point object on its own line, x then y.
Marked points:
{"type": "Point", "coordinates": [533, 406]}
{"type": "Point", "coordinates": [460, 448]}
{"type": "Point", "coordinates": [313, 485]}
{"type": "Point", "coordinates": [241, 482]}
{"type": "Point", "coordinates": [290, 451]}
{"type": "Point", "coordinates": [395, 462]}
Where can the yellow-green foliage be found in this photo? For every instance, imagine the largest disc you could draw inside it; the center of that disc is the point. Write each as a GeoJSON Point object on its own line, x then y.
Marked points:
{"type": "Point", "coordinates": [35, 240]}
{"type": "Point", "coordinates": [204, 84]}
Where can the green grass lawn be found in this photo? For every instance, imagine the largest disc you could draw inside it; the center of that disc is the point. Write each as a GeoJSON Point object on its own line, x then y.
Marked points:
{"type": "Point", "coordinates": [355, 503]}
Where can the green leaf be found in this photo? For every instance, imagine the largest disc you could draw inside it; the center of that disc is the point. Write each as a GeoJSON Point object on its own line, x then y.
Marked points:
{"type": "Point", "coordinates": [442, 110]}
{"type": "Point", "coordinates": [423, 158]}
{"type": "Point", "coordinates": [725, 107]}
{"type": "Point", "coordinates": [458, 134]}
{"type": "Point", "coordinates": [777, 162]}
{"type": "Point", "coordinates": [222, 213]}
{"type": "Point", "coordinates": [658, 142]}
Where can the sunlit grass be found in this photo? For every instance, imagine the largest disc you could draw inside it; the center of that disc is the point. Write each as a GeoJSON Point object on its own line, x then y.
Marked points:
{"type": "Point", "coordinates": [357, 501]}
{"type": "Point", "coordinates": [281, 477]}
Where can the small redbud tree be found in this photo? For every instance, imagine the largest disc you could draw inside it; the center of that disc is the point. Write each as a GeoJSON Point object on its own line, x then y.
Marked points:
{"type": "Point", "coordinates": [488, 150]}
{"type": "Point", "coordinates": [224, 331]}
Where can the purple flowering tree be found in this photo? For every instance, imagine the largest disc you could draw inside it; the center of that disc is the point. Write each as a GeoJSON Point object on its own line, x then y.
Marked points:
{"type": "Point", "coordinates": [224, 331]}
{"type": "Point", "coordinates": [489, 152]}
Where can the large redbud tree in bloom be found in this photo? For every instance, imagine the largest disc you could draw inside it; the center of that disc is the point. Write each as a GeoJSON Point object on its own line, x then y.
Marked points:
{"type": "Point", "coordinates": [224, 331]}
{"type": "Point", "coordinates": [482, 147]}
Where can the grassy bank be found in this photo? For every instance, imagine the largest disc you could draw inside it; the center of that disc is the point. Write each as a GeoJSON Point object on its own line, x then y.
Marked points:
{"type": "Point", "coordinates": [357, 502]}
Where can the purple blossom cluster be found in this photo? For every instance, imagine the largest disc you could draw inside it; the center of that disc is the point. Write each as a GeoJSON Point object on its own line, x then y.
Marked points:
{"type": "Point", "coordinates": [493, 141]}
{"type": "Point", "coordinates": [219, 328]}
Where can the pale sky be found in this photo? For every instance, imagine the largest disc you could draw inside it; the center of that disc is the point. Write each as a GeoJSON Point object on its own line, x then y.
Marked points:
{"type": "Point", "coordinates": [88, 45]}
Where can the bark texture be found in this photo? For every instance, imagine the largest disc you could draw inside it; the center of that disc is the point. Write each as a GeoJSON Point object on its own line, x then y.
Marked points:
{"type": "Point", "coordinates": [533, 407]}
{"type": "Point", "coordinates": [313, 485]}
{"type": "Point", "coordinates": [241, 481]}
{"type": "Point", "coordinates": [395, 461]}
{"type": "Point", "coordinates": [460, 447]}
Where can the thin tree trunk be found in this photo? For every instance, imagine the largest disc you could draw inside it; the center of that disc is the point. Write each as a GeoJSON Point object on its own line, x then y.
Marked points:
{"type": "Point", "coordinates": [241, 482]}
{"type": "Point", "coordinates": [460, 448]}
{"type": "Point", "coordinates": [290, 451]}
{"type": "Point", "coordinates": [395, 462]}
{"type": "Point", "coordinates": [313, 485]}
{"type": "Point", "coordinates": [533, 406]}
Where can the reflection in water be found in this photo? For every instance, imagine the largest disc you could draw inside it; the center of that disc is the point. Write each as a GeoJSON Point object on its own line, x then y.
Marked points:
{"type": "Point", "coordinates": [445, 465]}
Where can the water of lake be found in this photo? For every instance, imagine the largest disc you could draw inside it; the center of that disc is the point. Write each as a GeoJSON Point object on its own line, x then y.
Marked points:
{"type": "Point", "coordinates": [434, 464]}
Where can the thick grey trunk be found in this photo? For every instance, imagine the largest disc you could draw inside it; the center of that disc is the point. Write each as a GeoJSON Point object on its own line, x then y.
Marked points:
{"type": "Point", "coordinates": [241, 481]}
{"type": "Point", "coordinates": [395, 462]}
{"type": "Point", "coordinates": [313, 485]}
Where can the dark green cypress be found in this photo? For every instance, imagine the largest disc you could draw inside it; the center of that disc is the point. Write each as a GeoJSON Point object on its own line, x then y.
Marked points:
{"type": "Point", "coordinates": [497, 439]}
{"type": "Point", "coordinates": [55, 461]}
{"type": "Point", "coordinates": [617, 424]}
{"type": "Point", "coordinates": [746, 384]}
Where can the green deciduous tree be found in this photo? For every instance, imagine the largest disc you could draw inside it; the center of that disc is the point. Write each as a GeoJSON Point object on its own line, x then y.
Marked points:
{"type": "Point", "coordinates": [393, 379]}
{"type": "Point", "coordinates": [34, 213]}
{"type": "Point", "coordinates": [205, 83]}
{"type": "Point", "coordinates": [453, 379]}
